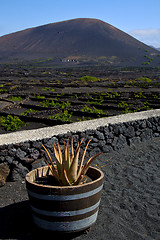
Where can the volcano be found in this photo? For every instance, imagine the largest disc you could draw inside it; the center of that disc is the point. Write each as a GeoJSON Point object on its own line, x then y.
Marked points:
{"type": "Point", "coordinates": [82, 37]}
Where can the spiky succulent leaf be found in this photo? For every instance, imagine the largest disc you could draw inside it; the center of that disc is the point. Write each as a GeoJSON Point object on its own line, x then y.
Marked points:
{"type": "Point", "coordinates": [58, 159]}
{"type": "Point", "coordinates": [82, 159]}
{"type": "Point", "coordinates": [67, 170]}
{"type": "Point", "coordinates": [51, 165]}
{"type": "Point", "coordinates": [72, 150]}
{"type": "Point", "coordinates": [88, 163]}
{"type": "Point", "coordinates": [72, 174]}
{"type": "Point", "coordinates": [60, 153]}
{"type": "Point", "coordinates": [66, 157]}
{"type": "Point", "coordinates": [66, 180]}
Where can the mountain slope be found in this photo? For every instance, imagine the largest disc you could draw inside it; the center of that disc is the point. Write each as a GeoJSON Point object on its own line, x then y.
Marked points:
{"type": "Point", "coordinates": [77, 37]}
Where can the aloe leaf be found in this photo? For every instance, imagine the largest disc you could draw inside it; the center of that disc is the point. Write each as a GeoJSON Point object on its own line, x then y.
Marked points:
{"type": "Point", "coordinates": [85, 168]}
{"type": "Point", "coordinates": [59, 165]}
{"type": "Point", "coordinates": [82, 159]}
{"type": "Point", "coordinates": [68, 156]}
{"type": "Point", "coordinates": [64, 181]}
{"type": "Point", "coordinates": [60, 153]}
{"type": "Point", "coordinates": [49, 165]}
{"type": "Point", "coordinates": [48, 154]}
{"type": "Point", "coordinates": [66, 178]}
{"type": "Point", "coordinates": [54, 170]}
{"type": "Point", "coordinates": [88, 163]}
{"type": "Point", "coordinates": [72, 150]}
{"type": "Point", "coordinates": [67, 170]}
{"type": "Point", "coordinates": [56, 152]}
{"type": "Point", "coordinates": [72, 175]}
{"type": "Point", "coordinates": [65, 157]}
{"type": "Point", "coordinates": [79, 179]}
{"type": "Point", "coordinates": [58, 158]}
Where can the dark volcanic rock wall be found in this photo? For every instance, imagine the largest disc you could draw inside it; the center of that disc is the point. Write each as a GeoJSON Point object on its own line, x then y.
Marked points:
{"type": "Point", "coordinates": [25, 156]}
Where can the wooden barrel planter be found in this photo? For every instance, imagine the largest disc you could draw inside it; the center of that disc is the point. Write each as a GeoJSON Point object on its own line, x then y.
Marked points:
{"type": "Point", "coordinates": [64, 208]}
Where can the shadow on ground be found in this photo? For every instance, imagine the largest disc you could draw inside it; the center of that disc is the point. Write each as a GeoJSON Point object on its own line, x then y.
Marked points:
{"type": "Point", "coordinates": [16, 223]}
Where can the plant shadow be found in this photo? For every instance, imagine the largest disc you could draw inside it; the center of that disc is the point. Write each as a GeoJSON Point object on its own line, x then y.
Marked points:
{"type": "Point", "coordinates": [16, 223]}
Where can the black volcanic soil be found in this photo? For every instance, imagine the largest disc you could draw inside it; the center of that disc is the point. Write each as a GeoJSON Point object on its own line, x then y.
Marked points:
{"type": "Point", "coordinates": [129, 207]}
{"type": "Point", "coordinates": [47, 96]}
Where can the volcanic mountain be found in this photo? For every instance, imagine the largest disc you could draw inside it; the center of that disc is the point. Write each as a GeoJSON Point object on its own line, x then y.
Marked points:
{"type": "Point", "coordinates": [83, 37]}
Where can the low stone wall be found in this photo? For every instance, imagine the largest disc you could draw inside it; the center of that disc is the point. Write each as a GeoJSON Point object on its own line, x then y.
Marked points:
{"type": "Point", "coordinates": [21, 152]}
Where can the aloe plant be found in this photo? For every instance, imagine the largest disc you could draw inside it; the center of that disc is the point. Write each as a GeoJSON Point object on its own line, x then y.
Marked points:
{"type": "Point", "coordinates": [69, 170]}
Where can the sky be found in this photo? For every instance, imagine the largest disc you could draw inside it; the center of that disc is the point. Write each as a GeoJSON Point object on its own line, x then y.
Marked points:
{"type": "Point", "coordinates": [139, 18]}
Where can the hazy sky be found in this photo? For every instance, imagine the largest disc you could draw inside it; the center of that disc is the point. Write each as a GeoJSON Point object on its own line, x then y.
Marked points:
{"type": "Point", "coordinates": [139, 18]}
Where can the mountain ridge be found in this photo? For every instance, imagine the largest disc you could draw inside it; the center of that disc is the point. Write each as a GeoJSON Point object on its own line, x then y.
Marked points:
{"type": "Point", "coordinates": [92, 38]}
